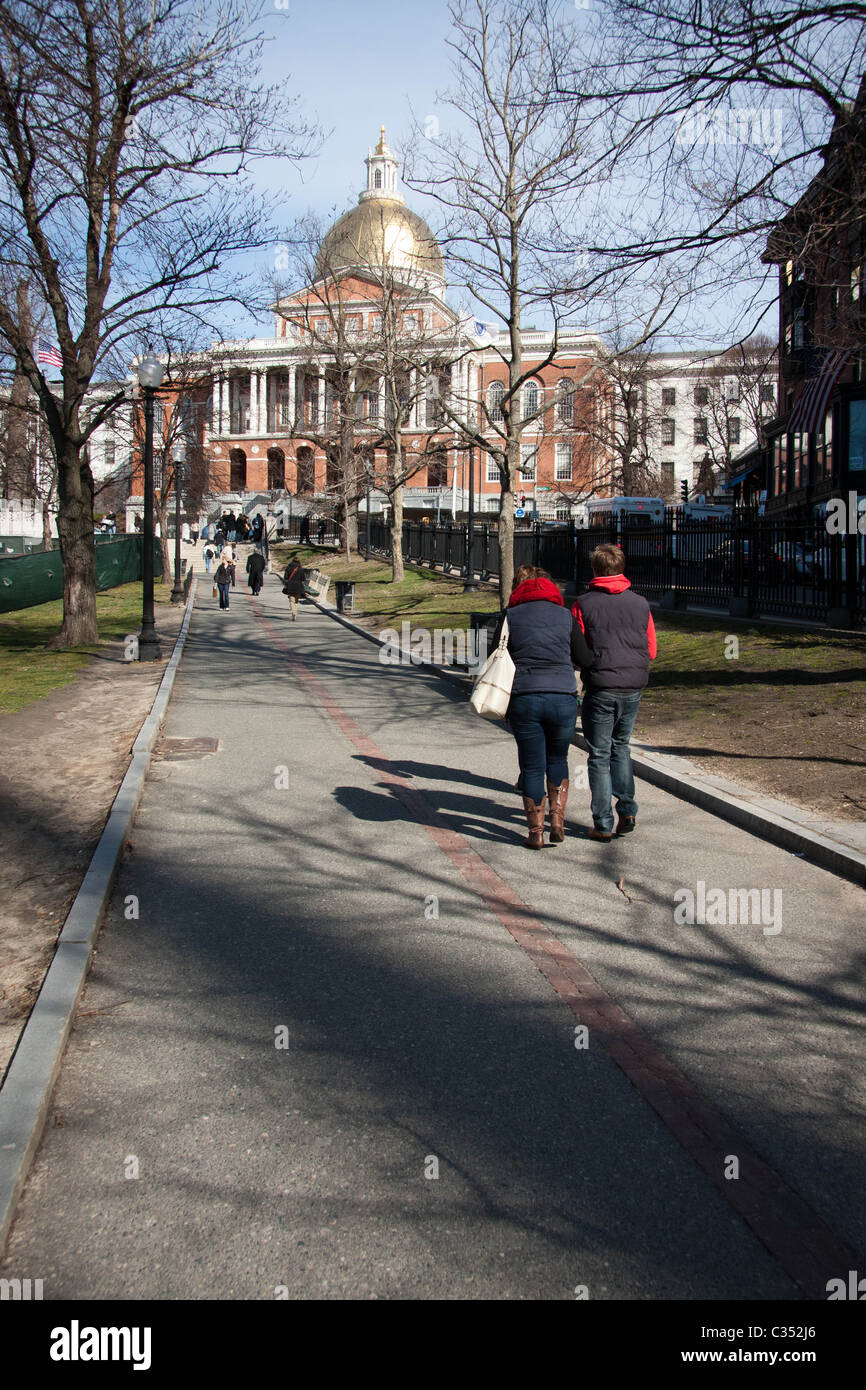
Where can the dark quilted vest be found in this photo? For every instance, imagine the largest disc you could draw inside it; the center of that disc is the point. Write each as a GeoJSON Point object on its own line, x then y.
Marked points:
{"type": "Point", "coordinates": [539, 642]}
{"type": "Point", "coordinates": [616, 629]}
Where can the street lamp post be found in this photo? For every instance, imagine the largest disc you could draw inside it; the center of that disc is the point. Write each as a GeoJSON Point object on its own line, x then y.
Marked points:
{"type": "Point", "coordinates": [150, 373]}
{"type": "Point", "coordinates": [177, 591]}
{"type": "Point", "coordinates": [367, 520]}
{"type": "Point", "coordinates": [469, 585]}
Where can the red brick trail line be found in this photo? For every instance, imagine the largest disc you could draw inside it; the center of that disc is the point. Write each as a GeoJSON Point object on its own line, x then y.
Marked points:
{"type": "Point", "coordinates": [805, 1248]}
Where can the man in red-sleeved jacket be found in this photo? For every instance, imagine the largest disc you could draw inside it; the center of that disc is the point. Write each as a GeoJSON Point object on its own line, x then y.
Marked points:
{"type": "Point", "coordinates": [618, 625]}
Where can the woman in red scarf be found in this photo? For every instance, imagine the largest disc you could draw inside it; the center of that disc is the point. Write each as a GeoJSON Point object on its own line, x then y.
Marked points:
{"type": "Point", "coordinates": [546, 644]}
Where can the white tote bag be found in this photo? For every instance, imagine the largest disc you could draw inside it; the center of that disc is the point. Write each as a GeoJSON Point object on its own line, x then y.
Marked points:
{"type": "Point", "coordinates": [492, 690]}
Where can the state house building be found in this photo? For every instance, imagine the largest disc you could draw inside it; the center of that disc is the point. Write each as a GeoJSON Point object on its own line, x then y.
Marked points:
{"type": "Point", "coordinates": [267, 406]}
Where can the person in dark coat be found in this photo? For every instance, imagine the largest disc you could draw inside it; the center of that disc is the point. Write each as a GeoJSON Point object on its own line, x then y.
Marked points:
{"type": "Point", "coordinates": [223, 580]}
{"type": "Point", "coordinates": [618, 626]}
{"type": "Point", "coordinates": [320, 532]}
{"type": "Point", "coordinates": [255, 570]}
{"type": "Point", "coordinates": [305, 529]}
{"type": "Point", "coordinates": [545, 643]}
{"type": "Point", "coordinates": [293, 584]}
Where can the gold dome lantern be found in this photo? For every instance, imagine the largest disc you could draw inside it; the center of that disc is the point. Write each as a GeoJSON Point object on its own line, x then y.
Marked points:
{"type": "Point", "coordinates": [381, 231]}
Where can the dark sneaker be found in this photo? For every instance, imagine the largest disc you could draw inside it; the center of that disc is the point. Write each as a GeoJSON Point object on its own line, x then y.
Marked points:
{"type": "Point", "coordinates": [625, 825]}
{"type": "Point", "coordinates": [604, 835]}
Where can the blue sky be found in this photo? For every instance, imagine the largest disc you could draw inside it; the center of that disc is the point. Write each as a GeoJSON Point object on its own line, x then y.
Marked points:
{"type": "Point", "coordinates": [354, 67]}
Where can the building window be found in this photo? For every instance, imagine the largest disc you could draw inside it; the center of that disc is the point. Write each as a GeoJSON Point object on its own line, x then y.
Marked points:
{"type": "Point", "coordinates": [562, 465]}
{"type": "Point", "coordinates": [528, 454]}
{"type": "Point", "coordinates": [856, 282]}
{"type": "Point", "coordinates": [377, 179]}
{"type": "Point", "coordinates": [824, 447]}
{"type": "Point", "coordinates": [768, 392]}
{"type": "Point", "coordinates": [495, 395]}
{"type": "Point", "coordinates": [733, 392]}
{"type": "Point", "coordinates": [669, 432]}
{"type": "Point", "coordinates": [565, 401]}
{"type": "Point", "coordinates": [702, 395]}
{"type": "Point", "coordinates": [410, 323]}
{"type": "Point", "coordinates": [493, 504]}
{"type": "Point", "coordinates": [800, 459]}
{"type": "Point", "coordinates": [780, 464]}
{"type": "Point", "coordinates": [701, 429]}
{"type": "Point", "coordinates": [375, 323]}
{"type": "Point", "coordinates": [668, 480]}
{"type": "Point", "coordinates": [734, 430]}
{"type": "Point", "coordinates": [669, 397]}
{"type": "Point", "coordinates": [530, 400]}
{"type": "Point", "coordinates": [563, 513]}
{"type": "Point", "coordinates": [493, 473]}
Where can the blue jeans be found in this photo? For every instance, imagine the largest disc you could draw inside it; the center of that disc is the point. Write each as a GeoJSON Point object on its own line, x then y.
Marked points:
{"type": "Point", "coordinates": [607, 719]}
{"type": "Point", "coordinates": [207, 560]}
{"type": "Point", "coordinates": [542, 722]}
{"type": "Point", "coordinates": [224, 594]}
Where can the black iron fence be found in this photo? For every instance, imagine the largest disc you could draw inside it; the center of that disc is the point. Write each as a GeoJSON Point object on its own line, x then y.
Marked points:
{"type": "Point", "coordinates": [742, 564]}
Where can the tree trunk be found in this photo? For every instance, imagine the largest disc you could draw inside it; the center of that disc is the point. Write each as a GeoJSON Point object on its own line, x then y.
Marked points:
{"type": "Point", "coordinates": [397, 571]}
{"type": "Point", "coordinates": [506, 547]}
{"type": "Point", "coordinates": [161, 509]}
{"type": "Point", "coordinates": [75, 529]}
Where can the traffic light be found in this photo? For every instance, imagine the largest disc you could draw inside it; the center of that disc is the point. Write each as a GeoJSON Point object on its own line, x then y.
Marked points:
{"type": "Point", "coordinates": [684, 490]}
{"type": "Point", "coordinates": [523, 499]}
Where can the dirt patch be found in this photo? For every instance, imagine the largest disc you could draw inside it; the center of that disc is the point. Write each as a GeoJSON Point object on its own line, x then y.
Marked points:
{"type": "Point", "coordinates": [62, 759]}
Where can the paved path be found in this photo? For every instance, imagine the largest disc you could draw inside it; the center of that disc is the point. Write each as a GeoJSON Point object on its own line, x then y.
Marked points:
{"type": "Point", "coordinates": [291, 880]}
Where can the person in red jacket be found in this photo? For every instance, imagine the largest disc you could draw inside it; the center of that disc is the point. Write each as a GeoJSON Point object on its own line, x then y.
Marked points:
{"type": "Point", "coordinates": [545, 644]}
{"type": "Point", "coordinates": [618, 626]}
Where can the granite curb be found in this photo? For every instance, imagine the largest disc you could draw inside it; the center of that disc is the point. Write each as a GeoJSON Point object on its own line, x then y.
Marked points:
{"type": "Point", "coordinates": [731, 802]}
{"type": "Point", "coordinates": [25, 1095]}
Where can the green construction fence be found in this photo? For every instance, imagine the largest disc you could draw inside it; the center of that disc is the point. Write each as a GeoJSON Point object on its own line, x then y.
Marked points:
{"type": "Point", "coordinates": [26, 580]}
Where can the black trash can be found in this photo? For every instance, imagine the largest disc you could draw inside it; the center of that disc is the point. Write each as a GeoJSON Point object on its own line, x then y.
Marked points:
{"type": "Point", "coordinates": [345, 592]}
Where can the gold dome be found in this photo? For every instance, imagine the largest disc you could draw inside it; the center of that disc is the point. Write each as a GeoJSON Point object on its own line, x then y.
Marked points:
{"type": "Point", "coordinates": [381, 232]}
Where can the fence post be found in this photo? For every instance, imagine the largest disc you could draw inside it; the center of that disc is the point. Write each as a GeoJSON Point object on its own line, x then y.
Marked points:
{"type": "Point", "coordinates": [485, 552]}
{"type": "Point", "coordinates": [536, 544]}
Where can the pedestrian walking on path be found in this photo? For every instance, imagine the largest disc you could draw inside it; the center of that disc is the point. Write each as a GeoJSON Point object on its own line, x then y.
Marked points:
{"type": "Point", "coordinates": [618, 626]}
{"type": "Point", "coordinates": [293, 584]}
{"type": "Point", "coordinates": [223, 580]}
{"type": "Point", "coordinates": [546, 644]}
{"type": "Point", "coordinates": [209, 556]}
{"type": "Point", "coordinates": [255, 570]}
{"type": "Point", "coordinates": [228, 557]}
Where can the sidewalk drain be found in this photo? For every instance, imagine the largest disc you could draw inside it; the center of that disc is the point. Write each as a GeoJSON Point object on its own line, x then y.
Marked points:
{"type": "Point", "coordinates": [184, 749]}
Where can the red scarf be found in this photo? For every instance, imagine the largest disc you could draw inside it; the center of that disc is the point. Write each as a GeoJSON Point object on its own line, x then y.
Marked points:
{"type": "Point", "coordinates": [533, 589]}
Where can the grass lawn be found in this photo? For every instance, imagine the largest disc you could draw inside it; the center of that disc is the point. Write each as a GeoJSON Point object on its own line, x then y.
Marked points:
{"type": "Point", "coordinates": [28, 671]}
{"type": "Point", "coordinates": [426, 600]}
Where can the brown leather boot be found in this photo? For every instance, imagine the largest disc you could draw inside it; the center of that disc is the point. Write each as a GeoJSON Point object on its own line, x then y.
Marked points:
{"type": "Point", "coordinates": [535, 821]}
{"type": "Point", "coordinates": [558, 798]}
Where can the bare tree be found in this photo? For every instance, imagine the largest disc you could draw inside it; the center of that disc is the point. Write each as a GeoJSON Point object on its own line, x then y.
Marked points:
{"type": "Point", "coordinates": [127, 133]}
{"type": "Point", "coordinates": [740, 394]}
{"type": "Point", "coordinates": [506, 179]}
{"type": "Point", "coordinates": [369, 331]}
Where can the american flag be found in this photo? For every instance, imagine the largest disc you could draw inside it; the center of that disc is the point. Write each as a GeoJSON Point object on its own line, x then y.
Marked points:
{"type": "Point", "coordinates": [49, 353]}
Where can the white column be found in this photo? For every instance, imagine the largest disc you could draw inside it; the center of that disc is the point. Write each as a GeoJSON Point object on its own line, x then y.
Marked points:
{"type": "Point", "coordinates": [321, 421]}
{"type": "Point", "coordinates": [415, 411]}
{"type": "Point", "coordinates": [292, 384]}
{"type": "Point", "coordinates": [381, 420]}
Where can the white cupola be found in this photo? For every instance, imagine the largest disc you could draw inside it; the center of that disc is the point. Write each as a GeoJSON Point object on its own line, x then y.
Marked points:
{"type": "Point", "coordinates": [381, 172]}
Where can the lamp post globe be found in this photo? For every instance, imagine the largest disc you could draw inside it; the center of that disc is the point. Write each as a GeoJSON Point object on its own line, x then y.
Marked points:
{"type": "Point", "coordinates": [150, 372]}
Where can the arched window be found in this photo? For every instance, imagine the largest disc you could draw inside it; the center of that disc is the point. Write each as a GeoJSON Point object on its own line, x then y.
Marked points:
{"type": "Point", "coordinates": [530, 400]}
{"type": "Point", "coordinates": [377, 179]}
{"type": "Point", "coordinates": [495, 394]}
{"type": "Point", "coordinates": [565, 401]}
